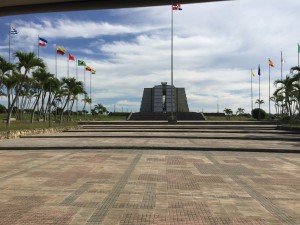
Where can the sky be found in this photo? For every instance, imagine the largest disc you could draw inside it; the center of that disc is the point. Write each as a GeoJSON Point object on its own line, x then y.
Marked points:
{"type": "Point", "coordinates": [215, 47]}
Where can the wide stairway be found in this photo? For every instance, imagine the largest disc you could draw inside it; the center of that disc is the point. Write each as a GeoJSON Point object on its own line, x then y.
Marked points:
{"type": "Point", "coordinates": [248, 136]}
{"type": "Point", "coordinates": [155, 116]}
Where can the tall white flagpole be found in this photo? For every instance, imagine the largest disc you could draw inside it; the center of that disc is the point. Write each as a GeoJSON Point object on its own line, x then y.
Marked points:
{"type": "Point", "coordinates": [281, 64]}
{"type": "Point", "coordinates": [9, 31]}
{"type": "Point", "coordinates": [56, 61]}
{"type": "Point", "coordinates": [91, 92]}
{"type": "Point", "coordinates": [77, 97]}
{"type": "Point", "coordinates": [172, 116]}
{"type": "Point", "coordinates": [269, 88]}
{"type": "Point", "coordinates": [251, 91]}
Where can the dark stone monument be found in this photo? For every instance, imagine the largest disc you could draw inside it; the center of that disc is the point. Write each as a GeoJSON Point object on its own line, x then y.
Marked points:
{"type": "Point", "coordinates": [158, 99]}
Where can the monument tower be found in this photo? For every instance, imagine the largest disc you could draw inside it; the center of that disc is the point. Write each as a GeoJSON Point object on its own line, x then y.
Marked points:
{"type": "Point", "coordinates": [158, 99]}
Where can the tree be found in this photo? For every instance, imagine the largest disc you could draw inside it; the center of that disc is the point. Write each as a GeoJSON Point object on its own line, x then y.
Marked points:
{"type": "Point", "coordinates": [228, 112]}
{"type": "Point", "coordinates": [100, 109]}
{"type": "Point", "coordinates": [240, 111]}
{"type": "Point", "coordinates": [26, 62]}
{"type": "Point", "coordinates": [289, 89]}
{"type": "Point", "coordinates": [70, 88]}
{"type": "Point", "coordinates": [2, 109]}
{"type": "Point", "coordinates": [258, 113]}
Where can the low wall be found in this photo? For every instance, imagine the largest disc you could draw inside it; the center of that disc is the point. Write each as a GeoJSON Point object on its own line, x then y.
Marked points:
{"type": "Point", "coordinates": [17, 133]}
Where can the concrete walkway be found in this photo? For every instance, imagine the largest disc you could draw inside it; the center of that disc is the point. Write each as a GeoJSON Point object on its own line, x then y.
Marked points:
{"type": "Point", "coordinates": [76, 184]}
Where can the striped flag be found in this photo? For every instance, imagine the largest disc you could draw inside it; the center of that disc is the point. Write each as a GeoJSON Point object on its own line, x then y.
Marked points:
{"type": "Point", "coordinates": [43, 42]}
{"type": "Point", "coordinates": [271, 63]}
{"type": "Point", "coordinates": [13, 30]}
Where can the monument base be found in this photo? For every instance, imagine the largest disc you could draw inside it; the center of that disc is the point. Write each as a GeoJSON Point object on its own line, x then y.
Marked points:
{"type": "Point", "coordinates": [172, 119]}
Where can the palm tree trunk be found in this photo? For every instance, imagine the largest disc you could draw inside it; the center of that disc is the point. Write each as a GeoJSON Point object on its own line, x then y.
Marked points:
{"type": "Point", "coordinates": [34, 107]}
{"type": "Point", "coordinates": [63, 109]}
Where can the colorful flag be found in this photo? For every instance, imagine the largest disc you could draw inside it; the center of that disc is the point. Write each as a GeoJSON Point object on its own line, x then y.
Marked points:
{"type": "Point", "coordinates": [43, 42]}
{"type": "Point", "coordinates": [71, 57]}
{"type": "Point", "coordinates": [60, 50]}
{"type": "Point", "coordinates": [87, 68]}
{"type": "Point", "coordinates": [93, 71]}
{"type": "Point", "coordinates": [298, 48]}
{"type": "Point", "coordinates": [13, 30]}
{"type": "Point", "coordinates": [258, 70]}
{"type": "Point", "coordinates": [252, 73]}
{"type": "Point", "coordinates": [271, 63]}
{"type": "Point", "coordinates": [176, 7]}
{"type": "Point", "coordinates": [81, 63]}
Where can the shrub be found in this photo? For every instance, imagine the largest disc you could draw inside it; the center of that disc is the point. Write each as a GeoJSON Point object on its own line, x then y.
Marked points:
{"type": "Point", "coordinates": [2, 109]}
{"type": "Point", "coordinates": [255, 113]}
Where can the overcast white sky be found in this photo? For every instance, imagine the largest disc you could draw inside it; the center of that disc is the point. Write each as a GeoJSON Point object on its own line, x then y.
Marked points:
{"type": "Point", "coordinates": [215, 47]}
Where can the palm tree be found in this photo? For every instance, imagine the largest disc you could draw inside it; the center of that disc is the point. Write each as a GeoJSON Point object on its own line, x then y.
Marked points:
{"type": "Point", "coordinates": [26, 62]}
{"type": "Point", "coordinates": [228, 112]}
{"type": "Point", "coordinates": [41, 77]}
{"type": "Point", "coordinates": [240, 111]}
{"type": "Point", "coordinates": [286, 89]}
{"type": "Point", "coordinates": [70, 88]}
{"type": "Point", "coordinates": [5, 69]}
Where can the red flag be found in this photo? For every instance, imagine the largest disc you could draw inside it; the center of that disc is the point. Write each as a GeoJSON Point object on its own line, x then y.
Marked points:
{"type": "Point", "coordinates": [271, 63]}
{"type": "Point", "coordinates": [176, 7]}
{"type": "Point", "coordinates": [71, 57]}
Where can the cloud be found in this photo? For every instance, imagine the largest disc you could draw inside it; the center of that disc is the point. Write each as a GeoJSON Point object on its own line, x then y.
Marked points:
{"type": "Point", "coordinates": [215, 47]}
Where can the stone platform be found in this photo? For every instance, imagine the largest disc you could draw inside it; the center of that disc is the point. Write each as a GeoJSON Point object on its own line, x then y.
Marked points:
{"type": "Point", "coordinates": [74, 184]}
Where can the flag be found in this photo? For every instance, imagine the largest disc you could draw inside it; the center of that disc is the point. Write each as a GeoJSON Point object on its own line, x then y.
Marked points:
{"type": "Point", "coordinates": [252, 73]}
{"type": "Point", "coordinates": [176, 7]}
{"type": "Point", "coordinates": [13, 30]}
{"type": "Point", "coordinates": [282, 60]}
{"type": "Point", "coordinates": [42, 42]}
{"type": "Point", "coordinates": [60, 50]}
{"type": "Point", "coordinates": [298, 48]}
{"type": "Point", "coordinates": [258, 70]}
{"type": "Point", "coordinates": [93, 71]}
{"type": "Point", "coordinates": [71, 57]}
{"type": "Point", "coordinates": [271, 63]}
{"type": "Point", "coordinates": [87, 68]}
{"type": "Point", "coordinates": [81, 63]}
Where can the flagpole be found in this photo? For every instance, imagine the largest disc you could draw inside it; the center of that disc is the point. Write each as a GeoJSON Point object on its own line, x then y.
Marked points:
{"type": "Point", "coordinates": [9, 40]}
{"type": "Point", "coordinates": [38, 47]}
{"type": "Point", "coordinates": [259, 92]}
{"type": "Point", "coordinates": [172, 116]}
{"type": "Point", "coordinates": [269, 88]}
{"type": "Point", "coordinates": [251, 92]}
{"type": "Point", "coordinates": [84, 88]}
{"type": "Point", "coordinates": [91, 92]}
{"type": "Point", "coordinates": [281, 65]}
{"type": "Point", "coordinates": [298, 54]}
{"type": "Point", "coordinates": [77, 97]}
{"type": "Point", "coordinates": [68, 75]}
{"type": "Point", "coordinates": [56, 61]}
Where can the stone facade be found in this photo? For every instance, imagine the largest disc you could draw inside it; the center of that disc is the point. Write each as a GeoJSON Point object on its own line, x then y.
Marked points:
{"type": "Point", "coordinates": [158, 99]}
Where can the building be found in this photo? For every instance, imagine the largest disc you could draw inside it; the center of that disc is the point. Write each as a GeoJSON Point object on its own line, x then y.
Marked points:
{"type": "Point", "coordinates": [158, 99]}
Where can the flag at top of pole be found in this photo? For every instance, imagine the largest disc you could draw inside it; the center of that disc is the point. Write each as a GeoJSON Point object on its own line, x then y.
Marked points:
{"type": "Point", "coordinates": [258, 70]}
{"type": "Point", "coordinates": [13, 30]}
{"type": "Point", "coordinates": [176, 7]}
{"type": "Point", "coordinates": [271, 63]}
{"type": "Point", "coordinates": [43, 42]}
{"type": "Point", "coordinates": [71, 57]}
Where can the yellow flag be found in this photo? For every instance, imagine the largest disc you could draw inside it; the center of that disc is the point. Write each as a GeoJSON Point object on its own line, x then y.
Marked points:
{"type": "Point", "coordinates": [252, 73]}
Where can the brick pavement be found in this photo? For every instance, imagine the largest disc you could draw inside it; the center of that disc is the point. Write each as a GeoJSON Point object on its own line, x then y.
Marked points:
{"type": "Point", "coordinates": [144, 187]}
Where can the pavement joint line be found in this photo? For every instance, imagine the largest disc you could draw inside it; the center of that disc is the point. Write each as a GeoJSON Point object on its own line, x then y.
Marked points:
{"type": "Point", "coordinates": [265, 202]}
{"type": "Point", "coordinates": [108, 202]}
{"type": "Point", "coordinates": [290, 161]}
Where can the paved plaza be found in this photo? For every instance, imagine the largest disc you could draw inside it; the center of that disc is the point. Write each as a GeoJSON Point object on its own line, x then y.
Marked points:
{"type": "Point", "coordinates": [147, 187]}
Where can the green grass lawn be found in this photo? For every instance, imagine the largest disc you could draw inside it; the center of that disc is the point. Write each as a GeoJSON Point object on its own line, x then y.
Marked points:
{"type": "Point", "coordinates": [226, 118]}
{"type": "Point", "coordinates": [26, 125]}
